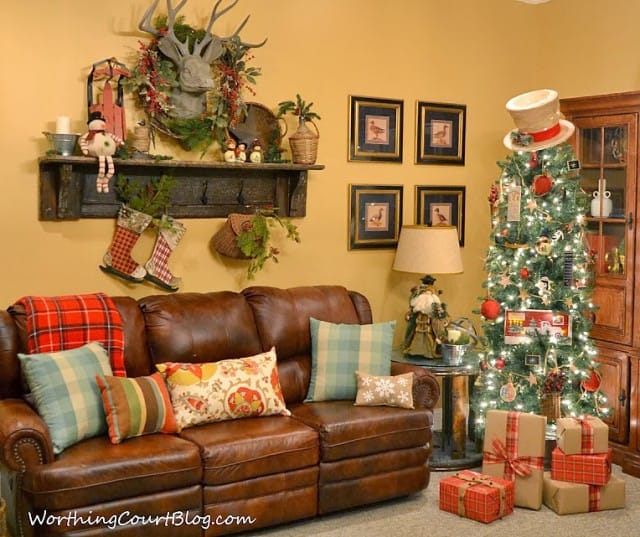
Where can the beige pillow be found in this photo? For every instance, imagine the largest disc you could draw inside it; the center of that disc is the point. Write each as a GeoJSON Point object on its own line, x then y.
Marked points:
{"type": "Point", "coordinates": [384, 391]}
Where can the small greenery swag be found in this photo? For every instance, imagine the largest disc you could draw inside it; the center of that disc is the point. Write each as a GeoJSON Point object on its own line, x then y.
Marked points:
{"type": "Point", "coordinates": [154, 77]}
{"type": "Point", "coordinates": [254, 241]}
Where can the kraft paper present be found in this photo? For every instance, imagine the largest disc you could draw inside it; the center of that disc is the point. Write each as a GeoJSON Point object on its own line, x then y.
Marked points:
{"type": "Point", "coordinates": [566, 498]}
{"type": "Point", "coordinates": [583, 435]}
{"type": "Point", "coordinates": [514, 446]}
{"type": "Point", "coordinates": [476, 496]}
{"type": "Point", "coordinates": [589, 469]}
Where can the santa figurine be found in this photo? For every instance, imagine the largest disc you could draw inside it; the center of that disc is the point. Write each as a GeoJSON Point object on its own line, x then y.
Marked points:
{"type": "Point", "coordinates": [100, 143]}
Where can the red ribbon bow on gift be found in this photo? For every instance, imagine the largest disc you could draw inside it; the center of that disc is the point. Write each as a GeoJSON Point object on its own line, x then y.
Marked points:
{"type": "Point", "coordinates": [586, 437]}
{"type": "Point", "coordinates": [522, 466]}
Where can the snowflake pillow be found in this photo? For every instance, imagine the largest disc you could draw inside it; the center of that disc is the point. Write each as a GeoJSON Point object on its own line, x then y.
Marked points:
{"type": "Point", "coordinates": [384, 391]}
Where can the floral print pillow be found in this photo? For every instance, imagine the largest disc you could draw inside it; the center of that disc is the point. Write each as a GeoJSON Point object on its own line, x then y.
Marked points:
{"type": "Point", "coordinates": [384, 391]}
{"type": "Point", "coordinates": [224, 390]}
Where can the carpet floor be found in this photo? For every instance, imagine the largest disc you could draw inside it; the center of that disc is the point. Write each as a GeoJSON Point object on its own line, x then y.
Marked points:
{"type": "Point", "coordinates": [419, 515]}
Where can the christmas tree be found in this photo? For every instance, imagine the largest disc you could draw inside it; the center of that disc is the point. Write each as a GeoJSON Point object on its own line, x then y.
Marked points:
{"type": "Point", "coordinates": [536, 314]}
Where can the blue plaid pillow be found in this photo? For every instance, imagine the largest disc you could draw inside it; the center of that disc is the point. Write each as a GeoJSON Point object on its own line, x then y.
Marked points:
{"type": "Point", "coordinates": [65, 392]}
{"type": "Point", "coordinates": [339, 350]}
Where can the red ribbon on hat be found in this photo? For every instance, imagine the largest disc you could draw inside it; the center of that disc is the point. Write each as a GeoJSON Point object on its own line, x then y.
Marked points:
{"type": "Point", "coordinates": [508, 453]}
{"type": "Point", "coordinates": [526, 138]}
{"type": "Point", "coordinates": [586, 434]}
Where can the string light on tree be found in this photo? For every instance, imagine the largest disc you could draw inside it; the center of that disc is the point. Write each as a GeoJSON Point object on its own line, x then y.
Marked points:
{"type": "Point", "coordinates": [539, 357]}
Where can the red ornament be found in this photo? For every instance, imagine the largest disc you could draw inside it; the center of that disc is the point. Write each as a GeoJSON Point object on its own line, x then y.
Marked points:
{"type": "Point", "coordinates": [500, 363]}
{"type": "Point", "coordinates": [524, 273]}
{"type": "Point", "coordinates": [533, 161]}
{"type": "Point", "coordinates": [542, 184]}
{"type": "Point", "coordinates": [593, 384]}
{"type": "Point", "coordinates": [490, 309]}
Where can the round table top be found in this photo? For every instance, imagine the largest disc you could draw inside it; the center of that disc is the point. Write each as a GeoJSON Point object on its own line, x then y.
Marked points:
{"type": "Point", "coordinates": [468, 367]}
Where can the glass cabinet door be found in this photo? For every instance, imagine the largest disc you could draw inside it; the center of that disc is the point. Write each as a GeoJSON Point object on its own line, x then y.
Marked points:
{"type": "Point", "coordinates": [607, 175]}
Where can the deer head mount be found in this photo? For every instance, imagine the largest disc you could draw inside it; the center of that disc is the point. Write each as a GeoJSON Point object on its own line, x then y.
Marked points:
{"type": "Point", "coordinates": [193, 61]}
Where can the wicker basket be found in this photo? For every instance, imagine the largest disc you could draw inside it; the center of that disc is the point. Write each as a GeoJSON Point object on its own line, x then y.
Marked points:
{"type": "Point", "coordinates": [225, 240]}
{"type": "Point", "coordinates": [550, 405]}
{"type": "Point", "coordinates": [304, 144]}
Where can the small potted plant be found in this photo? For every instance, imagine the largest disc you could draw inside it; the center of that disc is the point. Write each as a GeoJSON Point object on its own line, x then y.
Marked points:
{"type": "Point", "coordinates": [304, 142]}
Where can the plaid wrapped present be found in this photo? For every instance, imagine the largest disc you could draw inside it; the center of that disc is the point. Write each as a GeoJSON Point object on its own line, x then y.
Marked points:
{"type": "Point", "coordinates": [476, 496]}
{"type": "Point", "coordinates": [567, 498]}
{"type": "Point", "coordinates": [514, 446]}
{"type": "Point", "coordinates": [59, 323]}
{"type": "Point", "coordinates": [585, 434]}
{"type": "Point", "coordinates": [589, 469]}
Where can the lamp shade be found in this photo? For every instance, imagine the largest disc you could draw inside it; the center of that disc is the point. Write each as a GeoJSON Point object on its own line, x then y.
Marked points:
{"type": "Point", "coordinates": [428, 250]}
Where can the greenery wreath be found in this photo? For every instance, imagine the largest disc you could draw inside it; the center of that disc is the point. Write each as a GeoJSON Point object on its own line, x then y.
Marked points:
{"type": "Point", "coordinates": [154, 77]}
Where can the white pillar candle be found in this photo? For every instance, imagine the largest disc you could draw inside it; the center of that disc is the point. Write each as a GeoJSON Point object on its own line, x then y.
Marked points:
{"type": "Point", "coordinates": [453, 335]}
{"type": "Point", "coordinates": [63, 125]}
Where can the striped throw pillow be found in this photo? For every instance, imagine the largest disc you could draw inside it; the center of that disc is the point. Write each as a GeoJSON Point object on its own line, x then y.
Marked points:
{"type": "Point", "coordinates": [136, 406]}
{"type": "Point", "coordinates": [339, 350]}
{"type": "Point", "coordinates": [65, 393]}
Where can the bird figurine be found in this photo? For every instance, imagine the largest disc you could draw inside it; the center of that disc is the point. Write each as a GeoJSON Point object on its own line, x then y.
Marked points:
{"type": "Point", "coordinates": [100, 143]}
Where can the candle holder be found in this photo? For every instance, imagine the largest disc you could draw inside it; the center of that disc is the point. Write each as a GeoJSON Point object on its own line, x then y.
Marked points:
{"type": "Point", "coordinates": [62, 144]}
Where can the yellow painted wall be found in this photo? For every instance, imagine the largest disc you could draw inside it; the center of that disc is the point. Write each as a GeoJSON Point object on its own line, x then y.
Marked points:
{"type": "Point", "coordinates": [475, 52]}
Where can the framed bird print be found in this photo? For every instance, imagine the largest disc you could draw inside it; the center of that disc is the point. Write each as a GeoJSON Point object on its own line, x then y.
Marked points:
{"type": "Point", "coordinates": [440, 133]}
{"type": "Point", "coordinates": [375, 216]}
{"type": "Point", "coordinates": [375, 129]}
{"type": "Point", "coordinates": [441, 206]}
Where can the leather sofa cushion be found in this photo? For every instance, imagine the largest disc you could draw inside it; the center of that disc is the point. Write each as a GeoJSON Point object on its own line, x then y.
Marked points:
{"type": "Point", "coordinates": [199, 327]}
{"type": "Point", "coordinates": [97, 471]}
{"type": "Point", "coordinates": [244, 449]}
{"type": "Point", "coordinates": [354, 431]}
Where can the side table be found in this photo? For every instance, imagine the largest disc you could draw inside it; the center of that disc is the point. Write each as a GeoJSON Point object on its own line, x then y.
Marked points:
{"type": "Point", "coordinates": [451, 450]}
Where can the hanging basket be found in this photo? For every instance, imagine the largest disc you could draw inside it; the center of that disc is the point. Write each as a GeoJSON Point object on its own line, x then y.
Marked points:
{"type": "Point", "coordinates": [225, 241]}
{"type": "Point", "coordinates": [304, 144]}
{"type": "Point", "coordinates": [550, 406]}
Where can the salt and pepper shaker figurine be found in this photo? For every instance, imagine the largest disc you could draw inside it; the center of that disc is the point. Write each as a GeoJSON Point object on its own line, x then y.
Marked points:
{"type": "Point", "coordinates": [241, 152]}
{"type": "Point", "coordinates": [256, 152]}
{"type": "Point", "coordinates": [230, 151]}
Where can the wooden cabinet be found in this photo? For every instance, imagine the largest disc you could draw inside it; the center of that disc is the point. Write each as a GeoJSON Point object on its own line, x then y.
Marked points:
{"type": "Point", "coordinates": [606, 143]}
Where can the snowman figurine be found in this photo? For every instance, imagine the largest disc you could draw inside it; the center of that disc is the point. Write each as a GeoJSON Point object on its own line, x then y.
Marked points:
{"type": "Point", "coordinates": [97, 142]}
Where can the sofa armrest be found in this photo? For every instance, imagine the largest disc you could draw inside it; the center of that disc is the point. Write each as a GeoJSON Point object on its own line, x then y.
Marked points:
{"type": "Point", "coordinates": [24, 437]}
{"type": "Point", "coordinates": [426, 390]}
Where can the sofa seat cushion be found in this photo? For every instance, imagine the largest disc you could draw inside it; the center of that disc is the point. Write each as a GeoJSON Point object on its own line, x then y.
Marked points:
{"type": "Point", "coordinates": [253, 447]}
{"type": "Point", "coordinates": [354, 431]}
{"type": "Point", "coordinates": [96, 471]}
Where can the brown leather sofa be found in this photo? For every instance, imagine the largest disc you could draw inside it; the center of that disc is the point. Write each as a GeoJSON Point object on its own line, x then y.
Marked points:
{"type": "Point", "coordinates": [224, 477]}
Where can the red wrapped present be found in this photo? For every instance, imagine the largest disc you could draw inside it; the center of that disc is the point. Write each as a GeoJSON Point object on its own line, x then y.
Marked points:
{"type": "Point", "coordinates": [585, 434]}
{"type": "Point", "coordinates": [514, 444]}
{"type": "Point", "coordinates": [589, 469]}
{"type": "Point", "coordinates": [476, 496]}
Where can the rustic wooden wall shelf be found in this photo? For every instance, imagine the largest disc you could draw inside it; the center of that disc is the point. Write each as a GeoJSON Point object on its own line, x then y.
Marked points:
{"type": "Point", "coordinates": [204, 189]}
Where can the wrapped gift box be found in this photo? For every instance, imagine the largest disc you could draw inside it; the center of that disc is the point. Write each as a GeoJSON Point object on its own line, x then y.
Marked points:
{"type": "Point", "coordinates": [589, 469]}
{"type": "Point", "coordinates": [476, 496]}
{"type": "Point", "coordinates": [514, 445]}
{"type": "Point", "coordinates": [584, 435]}
{"type": "Point", "coordinates": [568, 498]}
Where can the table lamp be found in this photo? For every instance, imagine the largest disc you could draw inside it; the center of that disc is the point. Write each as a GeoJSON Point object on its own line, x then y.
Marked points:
{"type": "Point", "coordinates": [427, 250]}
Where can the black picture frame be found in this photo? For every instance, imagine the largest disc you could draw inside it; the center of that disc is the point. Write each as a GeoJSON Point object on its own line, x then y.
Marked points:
{"type": "Point", "coordinates": [375, 129]}
{"type": "Point", "coordinates": [375, 216]}
{"type": "Point", "coordinates": [441, 205]}
{"type": "Point", "coordinates": [440, 133]}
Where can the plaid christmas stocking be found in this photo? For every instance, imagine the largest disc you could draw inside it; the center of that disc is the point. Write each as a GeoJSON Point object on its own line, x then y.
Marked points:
{"type": "Point", "coordinates": [118, 260]}
{"type": "Point", "coordinates": [170, 232]}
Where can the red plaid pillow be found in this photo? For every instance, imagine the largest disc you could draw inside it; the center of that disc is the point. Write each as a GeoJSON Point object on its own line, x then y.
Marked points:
{"type": "Point", "coordinates": [67, 322]}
